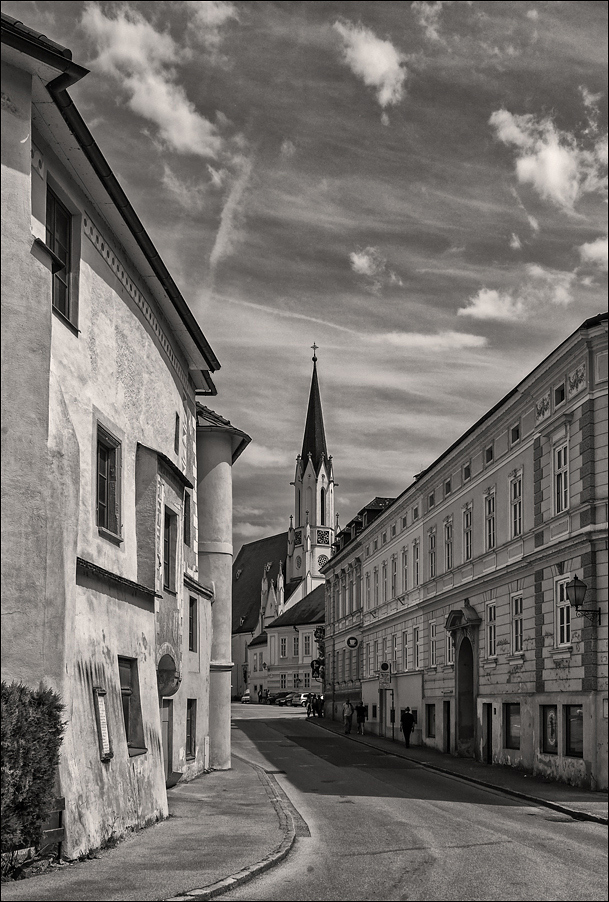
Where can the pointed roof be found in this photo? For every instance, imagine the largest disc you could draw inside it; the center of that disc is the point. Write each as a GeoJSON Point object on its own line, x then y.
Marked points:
{"type": "Point", "coordinates": [314, 440]}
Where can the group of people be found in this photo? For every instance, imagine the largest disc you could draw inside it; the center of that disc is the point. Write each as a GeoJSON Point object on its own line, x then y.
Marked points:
{"type": "Point", "coordinates": [407, 720]}
{"type": "Point", "coordinates": [315, 705]}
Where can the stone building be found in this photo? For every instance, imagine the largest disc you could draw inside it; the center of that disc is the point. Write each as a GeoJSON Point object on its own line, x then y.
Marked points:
{"type": "Point", "coordinates": [116, 480]}
{"type": "Point", "coordinates": [273, 574]}
{"type": "Point", "coordinates": [464, 612]}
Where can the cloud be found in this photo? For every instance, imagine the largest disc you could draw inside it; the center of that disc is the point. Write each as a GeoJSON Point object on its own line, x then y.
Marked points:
{"type": "Point", "coordinates": [370, 263]}
{"type": "Point", "coordinates": [189, 196]}
{"type": "Point", "coordinates": [428, 17]}
{"type": "Point", "coordinates": [217, 176]}
{"type": "Point", "coordinates": [540, 289]}
{"type": "Point", "coordinates": [378, 63]}
{"type": "Point", "coordinates": [515, 242]}
{"type": "Point", "coordinates": [143, 61]}
{"type": "Point", "coordinates": [263, 458]}
{"type": "Point", "coordinates": [557, 165]}
{"type": "Point", "coordinates": [232, 215]}
{"type": "Point", "coordinates": [532, 14]}
{"type": "Point", "coordinates": [288, 149]}
{"type": "Point", "coordinates": [206, 20]}
{"type": "Point", "coordinates": [440, 341]}
{"type": "Point", "coordinates": [595, 253]}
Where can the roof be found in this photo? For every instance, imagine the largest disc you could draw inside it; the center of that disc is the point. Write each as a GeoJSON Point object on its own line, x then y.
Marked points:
{"type": "Point", "coordinates": [261, 639]}
{"type": "Point", "coordinates": [312, 609]}
{"type": "Point", "coordinates": [248, 570]}
{"type": "Point", "coordinates": [314, 441]}
{"type": "Point", "coordinates": [49, 59]}
{"type": "Point", "coordinates": [208, 421]}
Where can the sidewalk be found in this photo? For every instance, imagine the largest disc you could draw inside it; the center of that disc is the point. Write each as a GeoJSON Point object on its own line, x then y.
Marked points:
{"type": "Point", "coordinates": [228, 826]}
{"type": "Point", "coordinates": [235, 822]}
{"type": "Point", "coordinates": [581, 804]}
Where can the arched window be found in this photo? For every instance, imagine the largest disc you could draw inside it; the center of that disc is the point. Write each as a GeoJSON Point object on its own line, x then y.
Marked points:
{"type": "Point", "coordinates": [322, 513]}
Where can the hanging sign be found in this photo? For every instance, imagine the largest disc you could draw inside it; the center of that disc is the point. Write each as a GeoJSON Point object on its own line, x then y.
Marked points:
{"type": "Point", "coordinates": [352, 642]}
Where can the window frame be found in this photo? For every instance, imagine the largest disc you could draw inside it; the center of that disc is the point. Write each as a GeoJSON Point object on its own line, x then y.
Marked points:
{"type": "Point", "coordinates": [490, 521]}
{"type": "Point", "coordinates": [517, 612]}
{"type": "Point", "coordinates": [549, 747]}
{"type": "Point", "coordinates": [431, 554]}
{"type": "Point", "coordinates": [404, 650]}
{"type": "Point", "coordinates": [55, 199]}
{"type": "Point", "coordinates": [170, 549]}
{"type": "Point", "coordinates": [449, 650]}
{"type": "Point", "coordinates": [433, 651]}
{"type": "Point", "coordinates": [296, 646]}
{"type": "Point", "coordinates": [571, 751]}
{"type": "Point", "coordinates": [491, 629]}
{"type": "Point", "coordinates": [416, 647]}
{"type": "Point", "coordinates": [560, 476]}
{"type": "Point", "coordinates": [404, 570]}
{"type": "Point", "coordinates": [515, 504]}
{"type": "Point", "coordinates": [110, 443]}
{"type": "Point", "coordinates": [562, 613]}
{"type": "Point", "coordinates": [467, 534]}
{"type": "Point", "coordinates": [193, 623]}
{"type": "Point", "coordinates": [449, 557]}
{"type": "Point", "coordinates": [510, 741]}
{"type": "Point", "coordinates": [131, 705]}
{"type": "Point", "coordinates": [283, 646]}
{"type": "Point", "coordinates": [190, 740]}
{"type": "Point", "coordinates": [416, 564]}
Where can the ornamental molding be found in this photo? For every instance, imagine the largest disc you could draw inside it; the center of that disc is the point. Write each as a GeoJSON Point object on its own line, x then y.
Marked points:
{"type": "Point", "coordinates": [542, 408]}
{"type": "Point", "coordinates": [577, 379]}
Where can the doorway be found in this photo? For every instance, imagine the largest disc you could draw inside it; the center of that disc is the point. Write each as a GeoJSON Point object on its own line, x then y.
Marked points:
{"type": "Point", "coordinates": [487, 722]}
{"type": "Point", "coordinates": [466, 708]}
{"type": "Point", "coordinates": [446, 727]}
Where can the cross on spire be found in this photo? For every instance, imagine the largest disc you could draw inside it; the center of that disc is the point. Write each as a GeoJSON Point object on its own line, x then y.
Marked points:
{"type": "Point", "coordinates": [314, 348]}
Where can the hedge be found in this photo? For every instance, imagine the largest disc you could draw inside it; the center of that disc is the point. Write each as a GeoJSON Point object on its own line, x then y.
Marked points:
{"type": "Point", "coordinates": [32, 732]}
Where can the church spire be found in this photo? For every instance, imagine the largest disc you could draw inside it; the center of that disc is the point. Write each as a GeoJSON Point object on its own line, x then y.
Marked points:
{"type": "Point", "coordinates": [314, 441]}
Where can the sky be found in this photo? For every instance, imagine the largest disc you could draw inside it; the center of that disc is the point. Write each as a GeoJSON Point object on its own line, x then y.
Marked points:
{"type": "Point", "coordinates": [420, 188]}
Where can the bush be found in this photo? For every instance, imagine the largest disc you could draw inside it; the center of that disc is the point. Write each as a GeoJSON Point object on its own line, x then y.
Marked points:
{"type": "Point", "coordinates": [32, 732]}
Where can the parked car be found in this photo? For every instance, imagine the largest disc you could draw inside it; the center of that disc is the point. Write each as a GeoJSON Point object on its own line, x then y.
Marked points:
{"type": "Point", "coordinates": [285, 699]}
{"type": "Point", "coordinates": [302, 699]}
{"type": "Point", "coordinates": [274, 697]}
{"type": "Point", "coordinates": [245, 698]}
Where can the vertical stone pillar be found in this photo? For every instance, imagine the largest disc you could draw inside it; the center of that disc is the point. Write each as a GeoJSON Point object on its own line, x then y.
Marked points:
{"type": "Point", "coordinates": [215, 512]}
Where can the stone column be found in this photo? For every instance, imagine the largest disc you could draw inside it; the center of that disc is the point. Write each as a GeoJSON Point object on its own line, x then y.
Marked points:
{"type": "Point", "coordinates": [215, 511]}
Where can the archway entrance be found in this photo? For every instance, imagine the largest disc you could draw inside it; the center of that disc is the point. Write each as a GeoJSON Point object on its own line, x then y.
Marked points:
{"type": "Point", "coordinates": [466, 700]}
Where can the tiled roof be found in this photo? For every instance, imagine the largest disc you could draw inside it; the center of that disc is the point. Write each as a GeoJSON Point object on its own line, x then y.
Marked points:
{"type": "Point", "coordinates": [312, 609]}
{"type": "Point", "coordinates": [248, 570]}
{"type": "Point", "coordinates": [261, 639]}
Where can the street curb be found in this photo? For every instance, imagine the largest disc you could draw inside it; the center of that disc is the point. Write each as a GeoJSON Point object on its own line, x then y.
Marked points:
{"type": "Point", "coordinates": [286, 822]}
{"type": "Point", "coordinates": [571, 812]}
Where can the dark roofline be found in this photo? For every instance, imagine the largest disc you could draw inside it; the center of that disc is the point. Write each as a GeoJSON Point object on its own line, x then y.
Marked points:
{"type": "Point", "coordinates": [25, 40]}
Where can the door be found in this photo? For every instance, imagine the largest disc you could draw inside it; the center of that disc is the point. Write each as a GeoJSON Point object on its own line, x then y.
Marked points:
{"type": "Point", "coordinates": [166, 734]}
{"type": "Point", "coordinates": [487, 721]}
{"type": "Point", "coordinates": [446, 727]}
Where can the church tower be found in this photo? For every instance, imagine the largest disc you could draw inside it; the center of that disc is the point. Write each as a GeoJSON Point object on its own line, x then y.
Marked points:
{"type": "Point", "coordinates": [311, 531]}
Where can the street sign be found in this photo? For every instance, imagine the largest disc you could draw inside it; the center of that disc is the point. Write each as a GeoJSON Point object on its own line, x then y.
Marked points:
{"type": "Point", "coordinates": [385, 675]}
{"type": "Point", "coordinates": [352, 642]}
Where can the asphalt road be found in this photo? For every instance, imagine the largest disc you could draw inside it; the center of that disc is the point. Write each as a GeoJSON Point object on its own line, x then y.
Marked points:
{"type": "Point", "coordinates": [382, 828]}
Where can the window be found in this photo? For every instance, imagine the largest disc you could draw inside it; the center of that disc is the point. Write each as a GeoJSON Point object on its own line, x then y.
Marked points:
{"type": "Point", "coordinates": [491, 630]}
{"type": "Point", "coordinates": [559, 394]}
{"type": "Point", "coordinates": [377, 662]}
{"type": "Point", "coordinates": [322, 507]}
{"type": "Point", "coordinates": [255, 663]}
{"type": "Point", "coordinates": [432, 643]}
{"type": "Point", "coordinates": [447, 488]}
{"type": "Point", "coordinates": [405, 650]}
{"type": "Point", "coordinates": [283, 647]}
{"type": "Point", "coordinates": [307, 645]}
{"type": "Point", "coordinates": [394, 651]}
{"type": "Point", "coordinates": [403, 522]}
{"type": "Point", "coordinates": [193, 620]}
{"type": "Point", "coordinates": [59, 240]}
{"type": "Point", "coordinates": [549, 729]}
{"type": "Point", "coordinates": [132, 711]}
{"type": "Point", "coordinates": [467, 534]}
{"type": "Point", "coordinates": [511, 716]}
{"type": "Point", "coordinates": [169, 550]}
{"type": "Point", "coordinates": [561, 478]}
{"type": "Point", "coordinates": [376, 586]}
{"type": "Point", "coordinates": [574, 731]}
{"type": "Point", "coordinates": [431, 500]}
{"type": "Point", "coordinates": [563, 614]}
{"type": "Point", "coordinates": [367, 550]}
{"type": "Point", "coordinates": [404, 570]}
{"type": "Point", "coordinates": [393, 530]}
{"type": "Point", "coordinates": [416, 648]}
{"type": "Point", "coordinates": [489, 521]}
{"type": "Point", "coordinates": [450, 649]}
{"type": "Point", "coordinates": [384, 568]}
{"type": "Point", "coordinates": [448, 545]}
{"type": "Point", "coordinates": [515, 434]}
{"type": "Point", "coordinates": [467, 472]}
{"type": "Point", "coordinates": [376, 544]}
{"type": "Point", "coordinates": [307, 680]}
{"type": "Point", "coordinates": [296, 646]}
{"type": "Point", "coordinates": [176, 435]}
{"type": "Point", "coordinates": [108, 482]}
{"type": "Point", "coordinates": [415, 563]}
{"type": "Point", "coordinates": [432, 555]}
{"type": "Point", "coordinates": [516, 505]}
{"type": "Point", "coordinates": [283, 681]}
{"type": "Point", "coordinates": [394, 577]}
{"type": "Point", "coordinates": [517, 624]}
{"type": "Point", "coordinates": [187, 538]}
{"type": "Point", "coordinates": [430, 721]}
{"type": "Point", "coordinates": [367, 591]}
{"type": "Point", "coordinates": [415, 512]}
{"type": "Point", "coordinates": [489, 454]}
{"type": "Point", "coordinates": [191, 727]}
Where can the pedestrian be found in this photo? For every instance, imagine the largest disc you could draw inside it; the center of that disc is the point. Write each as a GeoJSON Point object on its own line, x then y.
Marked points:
{"type": "Point", "coordinates": [407, 725]}
{"type": "Point", "coordinates": [260, 696]}
{"type": "Point", "coordinates": [360, 714]}
{"type": "Point", "coordinates": [347, 716]}
{"type": "Point", "coordinates": [316, 706]}
{"type": "Point", "coordinates": [309, 705]}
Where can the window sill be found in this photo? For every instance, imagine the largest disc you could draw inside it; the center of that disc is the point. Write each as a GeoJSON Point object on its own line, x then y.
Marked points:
{"type": "Point", "coordinates": [170, 591]}
{"type": "Point", "coordinates": [490, 664]}
{"type": "Point", "coordinates": [447, 667]}
{"type": "Point", "coordinates": [134, 751]}
{"type": "Point", "coordinates": [562, 653]}
{"type": "Point", "coordinates": [110, 536]}
{"type": "Point", "coordinates": [64, 319]}
{"type": "Point", "coordinates": [516, 658]}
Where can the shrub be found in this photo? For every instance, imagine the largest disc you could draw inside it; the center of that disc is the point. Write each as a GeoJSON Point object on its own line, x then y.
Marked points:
{"type": "Point", "coordinates": [32, 732]}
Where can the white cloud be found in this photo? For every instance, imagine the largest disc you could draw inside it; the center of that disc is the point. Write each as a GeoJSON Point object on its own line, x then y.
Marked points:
{"type": "Point", "coordinates": [595, 252]}
{"type": "Point", "coordinates": [428, 17]}
{"type": "Point", "coordinates": [515, 242]}
{"type": "Point", "coordinates": [288, 149]}
{"type": "Point", "coordinates": [217, 176]}
{"type": "Point", "coordinates": [232, 215]}
{"type": "Point", "coordinates": [207, 18]}
{"type": "Point", "coordinates": [263, 458]}
{"type": "Point", "coordinates": [190, 196]}
{"type": "Point", "coordinates": [370, 263]}
{"type": "Point", "coordinates": [557, 165]}
{"type": "Point", "coordinates": [440, 341]}
{"type": "Point", "coordinates": [378, 63]}
{"type": "Point", "coordinates": [533, 14]}
{"type": "Point", "coordinates": [143, 60]}
{"type": "Point", "coordinates": [384, 119]}
{"type": "Point", "coordinates": [540, 289]}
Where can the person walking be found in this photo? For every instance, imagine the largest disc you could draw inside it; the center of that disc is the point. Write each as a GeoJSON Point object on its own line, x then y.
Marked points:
{"type": "Point", "coordinates": [309, 705]}
{"type": "Point", "coordinates": [407, 725]}
{"type": "Point", "coordinates": [347, 716]}
{"type": "Point", "coordinates": [360, 715]}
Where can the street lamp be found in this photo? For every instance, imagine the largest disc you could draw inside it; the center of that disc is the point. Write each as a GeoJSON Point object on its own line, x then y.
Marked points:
{"type": "Point", "coordinates": [576, 592]}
